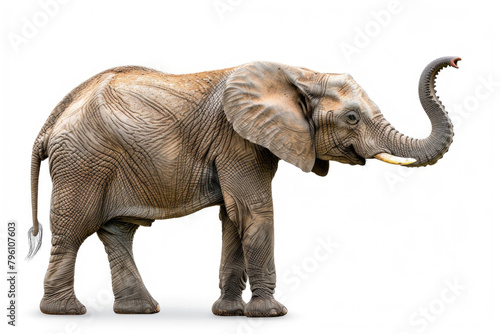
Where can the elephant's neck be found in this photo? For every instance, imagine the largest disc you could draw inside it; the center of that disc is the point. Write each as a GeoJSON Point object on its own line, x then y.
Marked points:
{"type": "Point", "coordinates": [206, 128]}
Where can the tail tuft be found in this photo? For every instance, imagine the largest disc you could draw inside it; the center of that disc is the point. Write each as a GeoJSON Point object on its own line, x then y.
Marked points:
{"type": "Point", "coordinates": [35, 242]}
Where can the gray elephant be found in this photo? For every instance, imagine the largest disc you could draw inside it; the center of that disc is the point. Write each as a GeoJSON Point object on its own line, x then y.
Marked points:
{"type": "Point", "coordinates": [132, 145]}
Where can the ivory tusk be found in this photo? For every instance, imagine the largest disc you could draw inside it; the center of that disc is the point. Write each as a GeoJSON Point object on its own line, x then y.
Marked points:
{"type": "Point", "coordinates": [391, 159]}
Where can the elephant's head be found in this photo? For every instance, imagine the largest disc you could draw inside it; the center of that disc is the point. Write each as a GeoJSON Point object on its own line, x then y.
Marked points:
{"type": "Point", "coordinates": [308, 118]}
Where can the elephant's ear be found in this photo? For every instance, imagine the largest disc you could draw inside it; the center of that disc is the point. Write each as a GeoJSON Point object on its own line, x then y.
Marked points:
{"type": "Point", "coordinates": [267, 104]}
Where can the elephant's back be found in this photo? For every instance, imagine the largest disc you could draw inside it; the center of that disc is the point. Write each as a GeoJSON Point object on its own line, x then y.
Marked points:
{"type": "Point", "coordinates": [104, 118]}
{"type": "Point", "coordinates": [137, 94]}
{"type": "Point", "coordinates": [131, 113]}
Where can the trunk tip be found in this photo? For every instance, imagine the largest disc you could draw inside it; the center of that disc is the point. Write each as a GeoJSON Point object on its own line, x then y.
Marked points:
{"type": "Point", "coordinates": [454, 62]}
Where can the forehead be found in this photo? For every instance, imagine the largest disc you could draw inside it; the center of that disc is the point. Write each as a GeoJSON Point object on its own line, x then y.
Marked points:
{"type": "Point", "coordinates": [344, 87]}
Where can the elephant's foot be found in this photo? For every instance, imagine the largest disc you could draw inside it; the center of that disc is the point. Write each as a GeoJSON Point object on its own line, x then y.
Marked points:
{"type": "Point", "coordinates": [67, 306]}
{"type": "Point", "coordinates": [229, 307]}
{"type": "Point", "coordinates": [136, 306]}
{"type": "Point", "coordinates": [264, 307]}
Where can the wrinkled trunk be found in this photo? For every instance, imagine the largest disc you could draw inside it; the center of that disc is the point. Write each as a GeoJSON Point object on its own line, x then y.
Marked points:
{"type": "Point", "coordinates": [429, 150]}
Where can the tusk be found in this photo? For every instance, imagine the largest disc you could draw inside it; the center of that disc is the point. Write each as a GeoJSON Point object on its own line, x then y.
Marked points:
{"type": "Point", "coordinates": [391, 159]}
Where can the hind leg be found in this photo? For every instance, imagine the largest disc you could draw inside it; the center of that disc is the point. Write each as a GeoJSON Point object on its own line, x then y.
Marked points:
{"type": "Point", "coordinates": [68, 233]}
{"type": "Point", "coordinates": [131, 296]}
{"type": "Point", "coordinates": [232, 273]}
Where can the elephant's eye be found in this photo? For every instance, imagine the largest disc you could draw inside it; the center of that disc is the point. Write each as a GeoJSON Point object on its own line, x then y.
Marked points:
{"type": "Point", "coordinates": [352, 118]}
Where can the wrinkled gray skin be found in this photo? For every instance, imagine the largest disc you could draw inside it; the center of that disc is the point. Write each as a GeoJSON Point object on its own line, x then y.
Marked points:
{"type": "Point", "coordinates": [132, 145]}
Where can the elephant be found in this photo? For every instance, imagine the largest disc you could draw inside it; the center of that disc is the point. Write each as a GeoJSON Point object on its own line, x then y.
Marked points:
{"type": "Point", "coordinates": [132, 145]}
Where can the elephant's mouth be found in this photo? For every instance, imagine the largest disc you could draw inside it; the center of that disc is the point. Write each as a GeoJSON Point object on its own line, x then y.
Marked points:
{"type": "Point", "coordinates": [353, 157]}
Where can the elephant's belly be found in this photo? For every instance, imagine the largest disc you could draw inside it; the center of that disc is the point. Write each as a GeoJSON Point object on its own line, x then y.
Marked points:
{"type": "Point", "coordinates": [195, 205]}
{"type": "Point", "coordinates": [181, 204]}
{"type": "Point", "coordinates": [176, 194]}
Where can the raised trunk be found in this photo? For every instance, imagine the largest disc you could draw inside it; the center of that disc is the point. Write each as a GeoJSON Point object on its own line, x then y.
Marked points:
{"type": "Point", "coordinates": [429, 150]}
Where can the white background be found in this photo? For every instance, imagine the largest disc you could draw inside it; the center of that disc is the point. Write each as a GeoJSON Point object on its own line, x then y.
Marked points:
{"type": "Point", "coordinates": [401, 233]}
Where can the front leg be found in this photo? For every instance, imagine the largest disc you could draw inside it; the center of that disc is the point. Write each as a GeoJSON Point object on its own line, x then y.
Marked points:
{"type": "Point", "coordinates": [245, 176]}
{"type": "Point", "coordinates": [258, 247]}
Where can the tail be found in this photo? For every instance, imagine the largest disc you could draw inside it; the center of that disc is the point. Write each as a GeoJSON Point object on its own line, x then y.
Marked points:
{"type": "Point", "coordinates": [35, 232]}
